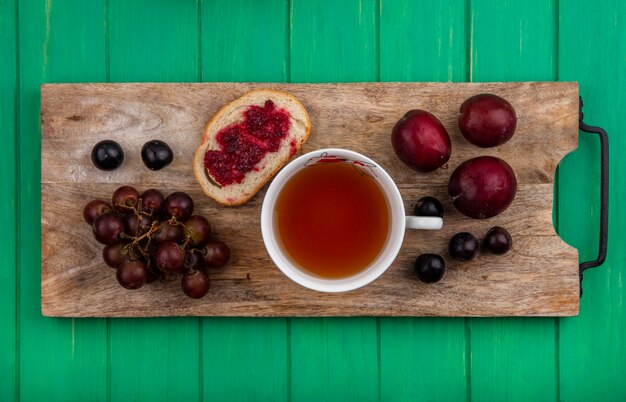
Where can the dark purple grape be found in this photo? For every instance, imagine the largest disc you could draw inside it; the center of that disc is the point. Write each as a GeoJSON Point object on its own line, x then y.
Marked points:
{"type": "Point", "coordinates": [151, 201]}
{"type": "Point", "coordinates": [114, 254]}
{"type": "Point", "coordinates": [132, 225]}
{"type": "Point", "coordinates": [136, 226]}
{"type": "Point", "coordinates": [107, 228]}
{"type": "Point", "coordinates": [146, 247]}
{"type": "Point", "coordinates": [498, 240]}
{"type": "Point", "coordinates": [195, 284]}
{"type": "Point", "coordinates": [178, 205]}
{"type": "Point", "coordinates": [107, 155]}
{"type": "Point", "coordinates": [145, 223]}
{"type": "Point", "coordinates": [215, 254]}
{"type": "Point", "coordinates": [197, 229]}
{"type": "Point", "coordinates": [193, 260]}
{"type": "Point", "coordinates": [463, 246]}
{"type": "Point", "coordinates": [169, 232]}
{"type": "Point", "coordinates": [156, 154]}
{"type": "Point", "coordinates": [168, 276]}
{"type": "Point", "coordinates": [94, 209]}
{"type": "Point", "coordinates": [125, 199]}
{"type": "Point", "coordinates": [430, 268]}
{"type": "Point", "coordinates": [152, 277]}
{"type": "Point", "coordinates": [169, 257]}
{"type": "Point", "coordinates": [132, 274]}
{"type": "Point", "coordinates": [428, 206]}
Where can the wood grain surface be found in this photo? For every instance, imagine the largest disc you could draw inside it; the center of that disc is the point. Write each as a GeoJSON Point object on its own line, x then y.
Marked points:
{"type": "Point", "coordinates": [538, 277]}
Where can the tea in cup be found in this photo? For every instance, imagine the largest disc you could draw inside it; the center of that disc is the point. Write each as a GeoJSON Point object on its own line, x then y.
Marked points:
{"type": "Point", "coordinates": [333, 220]}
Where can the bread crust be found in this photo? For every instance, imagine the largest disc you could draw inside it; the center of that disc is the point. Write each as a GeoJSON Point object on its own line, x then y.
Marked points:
{"type": "Point", "coordinates": [200, 172]}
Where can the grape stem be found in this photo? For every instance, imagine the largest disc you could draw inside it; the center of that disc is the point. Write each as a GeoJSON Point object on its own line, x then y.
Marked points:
{"type": "Point", "coordinates": [154, 227]}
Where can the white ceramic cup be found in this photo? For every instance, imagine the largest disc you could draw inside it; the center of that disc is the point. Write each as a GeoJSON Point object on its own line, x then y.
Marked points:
{"type": "Point", "coordinates": [399, 222]}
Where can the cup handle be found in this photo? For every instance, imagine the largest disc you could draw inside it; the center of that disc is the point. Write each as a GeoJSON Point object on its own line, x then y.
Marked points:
{"type": "Point", "coordinates": [424, 222]}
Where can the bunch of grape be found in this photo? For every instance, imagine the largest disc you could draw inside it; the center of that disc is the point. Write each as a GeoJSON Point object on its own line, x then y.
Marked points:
{"type": "Point", "coordinates": [149, 237]}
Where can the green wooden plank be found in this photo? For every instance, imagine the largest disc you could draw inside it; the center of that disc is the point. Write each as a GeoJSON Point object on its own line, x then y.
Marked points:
{"type": "Point", "coordinates": [245, 40]}
{"type": "Point", "coordinates": [8, 202]}
{"type": "Point", "coordinates": [153, 41]}
{"type": "Point", "coordinates": [334, 44]}
{"type": "Point", "coordinates": [334, 359]}
{"type": "Point", "coordinates": [512, 41]}
{"type": "Point", "coordinates": [58, 41]}
{"type": "Point", "coordinates": [423, 41]}
{"type": "Point", "coordinates": [423, 358]}
{"type": "Point", "coordinates": [592, 346]}
{"type": "Point", "coordinates": [512, 359]}
{"type": "Point", "coordinates": [154, 359]}
{"type": "Point", "coordinates": [244, 359]}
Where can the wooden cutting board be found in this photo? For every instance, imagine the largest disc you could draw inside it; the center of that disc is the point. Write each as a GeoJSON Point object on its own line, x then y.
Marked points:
{"type": "Point", "coordinates": [538, 277]}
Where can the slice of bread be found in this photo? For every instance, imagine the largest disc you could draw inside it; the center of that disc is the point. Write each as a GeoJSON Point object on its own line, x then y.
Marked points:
{"type": "Point", "coordinates": [238, 193]}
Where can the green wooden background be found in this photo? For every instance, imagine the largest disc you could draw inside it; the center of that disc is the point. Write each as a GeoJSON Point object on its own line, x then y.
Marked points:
{"type": "Point", "coordinates": [296, 359]}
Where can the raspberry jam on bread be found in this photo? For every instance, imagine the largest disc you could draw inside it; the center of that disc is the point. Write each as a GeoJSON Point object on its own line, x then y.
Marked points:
{"type": "Point", "coordinates": [247, 141]}
{"type": "Point", "coordinates": [243, 145]}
